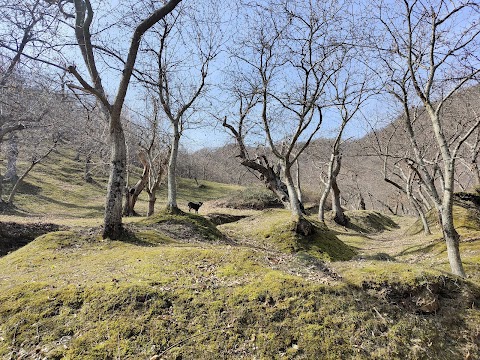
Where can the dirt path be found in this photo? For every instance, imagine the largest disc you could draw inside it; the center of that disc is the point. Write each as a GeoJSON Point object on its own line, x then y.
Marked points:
{"type": "Point", "coordinates": [388, 243]}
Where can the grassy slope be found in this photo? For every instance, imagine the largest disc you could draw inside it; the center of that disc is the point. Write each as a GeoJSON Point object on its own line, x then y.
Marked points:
{"type": "Point", "coordinates": [175, 287]}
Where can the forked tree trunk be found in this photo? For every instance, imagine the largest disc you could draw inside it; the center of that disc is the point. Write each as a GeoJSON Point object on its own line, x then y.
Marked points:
{"type": "Point", "coordinates": [116, 184]}
{"type": "Point", "coordinates": [328, 187]}
{"type": "Point", "coordinates": [132, 193]}
{"type": "Point", "coordinates": [270, 179]}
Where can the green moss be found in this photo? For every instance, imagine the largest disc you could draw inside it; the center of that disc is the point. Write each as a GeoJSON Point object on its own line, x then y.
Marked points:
{"type": "Point", "coordinates": [64, 297]}
{"type": "Point", "coordinates": [465, 220]}
{"type": "Point", "coordinates": [199, 224]}
{"type": "Point", "coordinates": [276, 229]}
{"type": "Point", "coordinates": [251, 198]}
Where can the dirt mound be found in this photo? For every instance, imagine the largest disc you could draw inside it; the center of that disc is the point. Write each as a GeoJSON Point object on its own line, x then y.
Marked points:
{"type": "Point", "coordinates": [369, 222]}
{"type": "Point", "coordinates": [14, 235]}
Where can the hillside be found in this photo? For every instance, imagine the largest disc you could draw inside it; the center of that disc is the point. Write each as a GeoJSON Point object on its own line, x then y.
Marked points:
{"type": "Point", "coordinates": [180, 287]}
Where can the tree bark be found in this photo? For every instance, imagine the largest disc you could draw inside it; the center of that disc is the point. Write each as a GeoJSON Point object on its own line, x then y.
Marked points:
{"type": "Point", "coordinates": [326, 191]}
{"type": "Point", "coordinates": [339, 215]}
{"type": "Point", "coordinates": [151, 202]}
{"type": "Point", "coordinates": [113, 227]}
{"type": "Point", "coordinates": [295, 206]}
{"type": "Point", "coordinates": [298, 183]}
{"type": "Point", "coordinates": [172, 172]}
{"type": "Point", "coordinates": [452, 240]}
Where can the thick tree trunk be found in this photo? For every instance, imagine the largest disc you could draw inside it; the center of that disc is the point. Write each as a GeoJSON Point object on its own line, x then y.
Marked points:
{"type": "Point", "coordinates": [323, 201]}
{"type": "Point", "coordinates": [295, 205]}
{"type": "Point", "coordinates": [452, 240]}
{"type": "Point", "coordinates": [113, 208]}
{"type": "Point", "coordinates": [172, 173]}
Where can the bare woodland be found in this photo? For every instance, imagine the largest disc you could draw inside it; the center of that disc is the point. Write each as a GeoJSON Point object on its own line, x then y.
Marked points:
{"type": "Point", "coordinates": [291, 83]}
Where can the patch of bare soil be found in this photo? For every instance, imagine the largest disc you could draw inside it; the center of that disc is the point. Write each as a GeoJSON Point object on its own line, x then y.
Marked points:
{"type": "Point", "coordinates": [14, 235]}
{"type": "Point", "coordinates": [433, 295]}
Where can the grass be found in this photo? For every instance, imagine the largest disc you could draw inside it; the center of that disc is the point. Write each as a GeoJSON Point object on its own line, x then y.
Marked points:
{"type": "Point", "coordinates": [176, 286]}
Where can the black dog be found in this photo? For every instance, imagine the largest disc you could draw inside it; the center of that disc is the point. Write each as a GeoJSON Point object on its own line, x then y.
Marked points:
{"type": "Point", "coordinates": [194, 206]}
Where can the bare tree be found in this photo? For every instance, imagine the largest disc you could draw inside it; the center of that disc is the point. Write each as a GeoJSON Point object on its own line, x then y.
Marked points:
{"type": "Point", "coordinates": [84, 16]}
{"type": "Point", "coordinates": [186, 47]}
{"type": "Point", "coordinates": [287, 64]}
{"type": "Point", "coordinates": [350, 90]}
{"type": "Point", "coordinates": [429, 61]}
{"type": "Point", "coordinates": [153, 153]}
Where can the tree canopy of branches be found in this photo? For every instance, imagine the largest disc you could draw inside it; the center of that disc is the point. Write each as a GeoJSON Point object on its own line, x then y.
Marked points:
{"type": "Point", "coordinates": [285, 64]}
{"type": "Point", "coordinates": [84, 16]}
{"type": "Point", "coordinates": [428, 52]}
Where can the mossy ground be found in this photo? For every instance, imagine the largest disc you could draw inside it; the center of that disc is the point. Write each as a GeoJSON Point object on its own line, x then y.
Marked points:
{"type": "Point", "coordinates": [176, 286]}
{"type": "Point", "coordinates": [74, 296]}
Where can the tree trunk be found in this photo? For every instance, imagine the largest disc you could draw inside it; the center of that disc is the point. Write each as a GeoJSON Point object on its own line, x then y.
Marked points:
{"type": "Point", "coordinates": [270, 178]}
{"type": "Point", "coordinates": [113, 208]}
{"type": "Point", "coordinates": [1, 188]}
{"type": "Point", "coordinates": [339, 216]}
{"type": "Point", "coordinates": [12, 155]}
{"type": "Point", "coordinates": [452, 240]}
{"type": "Point", "coordinates": [298, 184]}
{"type": "Point", "coordinates": [131, 195]}
{"type": "Point", "coordinates": [295, 206]}
{"type": "Point", "coordinates": [172, 173]}
{"type": "Point", "coordinates": [421, 215]}
{"type": "Point", "coordinates": [151, 202]}
{"type": "Point", "coordinates": [476, 172]}
{"type": "Point", "coordinates": [450, 235]}
{"type": "Point", "coordinates": [326, 191]}
{"type": "Point", "coordinates": [17, 184]}
{"type": "Point", "coordinates": [361, 203]}
{"type": "Point", "coordinates": [88, 167]}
